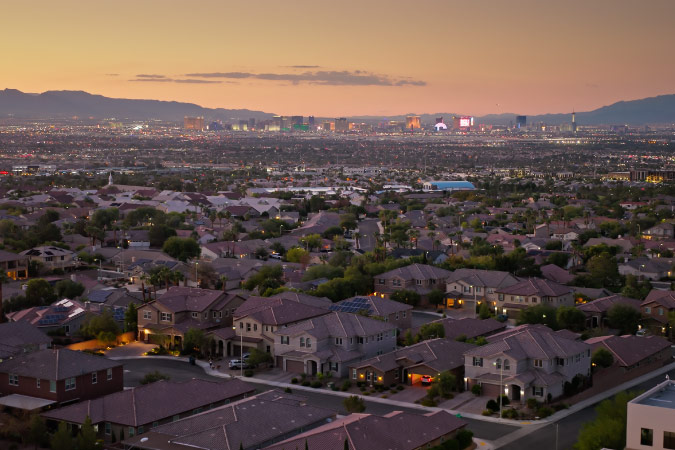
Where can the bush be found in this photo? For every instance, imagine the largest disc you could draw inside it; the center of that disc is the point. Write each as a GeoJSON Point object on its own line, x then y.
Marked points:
{"type": "Point", "coordinates": [151, 377]}
{"type": "Point", "coordinates": [476, 390]}
{"type": "Point", "coordinates": [464, 438]}
{"type": "Point", "coordinates": [510, 414]}
{"type": "Point", "coordinates": [400, 387]}
{"type": "Point", "coordinates": [360, 383]}
{"type": "Point", "coordinates": [505, 400]}
{"type": "Point", "coordinates": [346, 385]}
{"type": "Point", "coordinates": [294, 380]}
{"type": "Point", "coordinates": [317, 384]}
{"type": "Point", "coordinates": [532, 403]}
{"type": "Point", "coordinates": [248, 373]}
{"type": "Point", "coordinates": [544, 411]}
{"type": "Point", "coordinates": [426, 401]}
{"type": "Point", "coordinates": [487, 412]}
{"type": "Point", "coordinates": [354, 404]}
{"type": "Point", "coordinates": [306, 383]}
{"type": "Point", "coordinates": [492, 405]}
{"type": "Point", "coordinates": [452, 444]}
{"type": "Point", "coordinates": [288, 390]}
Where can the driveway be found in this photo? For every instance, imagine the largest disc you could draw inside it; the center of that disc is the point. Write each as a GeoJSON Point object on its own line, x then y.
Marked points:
{"type": "Point", "coordinates": [129, 350]}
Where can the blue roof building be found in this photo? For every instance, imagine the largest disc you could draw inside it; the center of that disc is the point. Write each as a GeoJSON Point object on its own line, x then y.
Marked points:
{"type": "Point", "coordinates": [448, 186]}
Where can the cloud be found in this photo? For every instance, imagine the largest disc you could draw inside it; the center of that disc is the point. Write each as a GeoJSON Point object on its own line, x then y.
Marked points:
{"type": "Point", "coordinates": [163, 79]}
{"type": "Point", "coordinates": [153, 80]}
{"type": "Point", "coordinates": [302, 67]}
{"type": "Point", "coordinates": [112, 74]}
{"type": "Point", "coordinates": [318, 77]}
{"type": "Point", "coordinates": [144, 75]}
{"type": "Point", "coordinates": [193, 81]}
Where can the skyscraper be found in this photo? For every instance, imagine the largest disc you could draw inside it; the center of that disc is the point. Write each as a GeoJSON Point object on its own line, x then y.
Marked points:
{"type": "Point", "coordinates": [193, 123]}
{"type": "Point", "coordinates": [341, 125]}
{"type": "Point", "coordinates": [310, 121]}
{"type": "Point", "coordinates": [413, 123]}
{"type": "Point", "coordinates": [521, 121]}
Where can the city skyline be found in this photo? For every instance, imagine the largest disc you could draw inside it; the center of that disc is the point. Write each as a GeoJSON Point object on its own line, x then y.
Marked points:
{"type": "Point", "coordinates": [375, 59]}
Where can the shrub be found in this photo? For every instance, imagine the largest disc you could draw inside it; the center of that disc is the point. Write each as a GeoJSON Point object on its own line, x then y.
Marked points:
{"type": "Point", "coordinates": [317, 384]}
{"type": "Point", "coordinates": [452, 444]}
{"type": "Point", "coordinates": [560, 406]}
{"type": "Point", "coordinates": [492, 405]}
{"type": "Point", "coordinates": [248, 373]}
{"type": "Point", "coordinates": [400, 387]}
{"type": "Point", "coordinates": [288, 390]}
{"type": "Point", "coordinates": [294, 380]}
{"type": "Point", "coordinates": [510, 414]}
{"type": "Point", "coordinates": [151, 377]}
{"type": "Point", "coordinates": [476, 389]}
{"type": "Point", "coordinates": [360, 383]}
{"type": "Point", "coordinates": [505, 400]}
{"type": "Point", "coordinates": [544, 411]}
{"type": "Point", "coordinates": [532, 403]}
{"type": "Point", "coordinates": [346, 385]}
{"type": "Point", "coordinates": [393, 386]}
{"type": "Point", "coordinates": [306, 383]}
{"type": "Point", "coordinates": [464, 438]}
{"type": "Point", "coordinates": [384, 396]}
{"type": "Point", "coordinates": [487, 412]}
{"type": "Point", "coordinates": [354, 404]}
{"type": "Point", "coordinates": [426, 401]}
{"type": "Point", "coordinates": [303, 376]}
{"type": "Point", "coordinates": [334, 388]}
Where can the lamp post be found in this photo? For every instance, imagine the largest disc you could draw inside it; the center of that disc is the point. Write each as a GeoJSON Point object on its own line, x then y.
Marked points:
{"type": "Point", "coordinates": [99, 268]}
{"type": "Point", "coordinates": [196, 275]}
{"type": "Point", "coordinates": [475, 301]}
{"type": "Point", "coordinates": [501, 383]}
{"type": "Point", "coordinates": [241, 352]}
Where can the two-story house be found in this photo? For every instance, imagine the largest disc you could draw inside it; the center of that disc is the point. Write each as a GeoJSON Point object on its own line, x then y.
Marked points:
{"type": "Point", "coordinates": [529, 361]}
{"type": "Point", "coordinates": [474, 286]}
{"type": "Point", "coordinates": [531, 292]}
{"type": "Point", "coordinates": [332, 342]}
{"type": "Point", "coordinates": [167, 319]}
{"type": "Point", "coordinates": [64, 316]}
{"type": "Point", "coordinates": [258, 318]}
{"type": "Point", "coordinates": [59, 376]}
{"type": "Point", "coordinates": [655, 309]}
{"type": "Point", "coordinates": [51, 257]}
{"type": "Point", "coordinates": [596, 310]}
{"type": "Point", "coordinates": [420, 278]}
{"type": "Point", "coordinates": [17, 338]}
{"type": "Point", "coordinates": [396, 313]}
{"type": "Point", "coordinates": [13, 266]}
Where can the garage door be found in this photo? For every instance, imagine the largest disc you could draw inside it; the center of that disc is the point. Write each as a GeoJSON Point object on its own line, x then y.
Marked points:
{"type": "Point", "coordinates": [295, 366]}
{"type": "Point", "coordinates": [491, 390]}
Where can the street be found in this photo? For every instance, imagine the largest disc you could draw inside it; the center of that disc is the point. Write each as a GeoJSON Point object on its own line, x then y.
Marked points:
{"type": "Point", "coordinates": [367, 229]}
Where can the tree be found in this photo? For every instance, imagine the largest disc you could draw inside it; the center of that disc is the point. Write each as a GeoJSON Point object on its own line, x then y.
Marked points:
{"type": "Point", "coordinates": [608, 430]}
{"type": "Point", "coordinates": [624, 318]}
{"type": "Point", "coordinates": [311, 241]}
{"type": "Point", "coordinates": [484, 311]}
{"type": "Point", "coordinates": [297, 255]}
{"type": "Point", "coordinates": [354, 404]}
{"type": "Point", "coordinates": [257, 357]}
{"type": "Point", "coordinates": [159, 233]}
{"type": "Point", "coordinates": [154, 376]}
{"type": "Point", "coordinates": [431, 331]}
{"type": "Point", "coordinates": [131, 318]}
{"type": "Point", "coordinates": [62, 439]}
{"type": "Point", "coordinates": [406, 296]}
{"type": "Point", "coordinates": [267, 277]}
{"type": "Point", "coordinates": [86, 439]}
{"type": "Point", "coordinates": [39, 293]}
{"type": "Point", "coordinates": [323, 271]}
{"type": "Point", "coordinates": [194, 341]}
{"type": "Point", "coordinates": [37, 432]}
{"type": "Point", "coordinates": [436, 297]}
{"type": "Point", "coordinates": [602, 357]}
{"type": "Point", "coordinates": [97, 324]}
{"type": "Point", "coordinates": [447, 382]}
{"type": "Point", "coordinates": [68, 289]}
{"type": "Point", "coordinates": [570, 318]}
{"type": "Point", "coordinates": [181, 248]}
{"type": "Point", "coordinates": [603, 267]}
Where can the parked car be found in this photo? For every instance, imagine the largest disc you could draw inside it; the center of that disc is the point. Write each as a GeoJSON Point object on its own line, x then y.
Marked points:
{"type": "Point", "coordinates": [426, 380]}
{"type": "Point", "coordinates": [238, 364]}
{"type": "Point", "coordinates": [245, 356]}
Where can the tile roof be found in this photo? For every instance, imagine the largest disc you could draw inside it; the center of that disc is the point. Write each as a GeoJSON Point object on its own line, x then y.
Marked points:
{"type": "Point", "coordinates": [628, 349]}
{"type": "Point", "coordinates": [536, 286]}
{"type": "Point", "coordinates": [468, 327]}
{"type": "Point", "coordinates": [338, 324]}
{"type": "Point", "coordinates": [483, 278]}
{"type": "Point", "coordinates": [277, 311]}
{"type": "Point", "coordinates": [603, 304]}
{"type": "Point", "coordinates": [56, 364]}
{"type": "Point", "coordinates": [179, 298]}
{"type": "Point", "coordinates": [19, 334]}
{"type": "Point", "coordinates": [663, 298]}
{"type": "Point", "coordinates": [375, 305]}
{"type": "Point", "coordinates": [416, 272]}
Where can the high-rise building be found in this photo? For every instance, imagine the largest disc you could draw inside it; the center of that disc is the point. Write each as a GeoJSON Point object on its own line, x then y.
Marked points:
{"type": "Point", "coordinates": [341, 125]}
{"type": "Point", "coordinates": [439, 120]}
{"type": "Point", "coordinates": [251, 123]}
{"type": "Point", "coordinates": [296, 120]}
{"type": "Point", "coordinates": [413, 123]}
{"type": "Point", "coordinates": [310, 121]}
{"type": "Point", "coordinates": [521, 121]}
{"type": "Point", "coordinates": [574, 122]}
{"type": "Point", "coordinates": [193, 123]}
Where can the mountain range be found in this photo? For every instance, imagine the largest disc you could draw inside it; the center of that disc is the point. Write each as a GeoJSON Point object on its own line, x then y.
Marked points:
{"type": "Point", "coordinates": [67, 104]}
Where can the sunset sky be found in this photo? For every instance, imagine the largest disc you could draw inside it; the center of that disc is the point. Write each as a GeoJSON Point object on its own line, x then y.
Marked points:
{"type": "Point", "coordinates": [345, 58]}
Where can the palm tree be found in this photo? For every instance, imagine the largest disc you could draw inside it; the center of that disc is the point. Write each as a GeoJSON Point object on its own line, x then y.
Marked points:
{"type": "Point", "coordinates": [357, 235]}
{"type": "Point", "coordinates": [414, 235]}
{"type": "Point", "coordinates": [177, 277]}
{"type": "Point", "coordinates": [143, 279]}
{"type": "Point", "coordinates": [223, 280]}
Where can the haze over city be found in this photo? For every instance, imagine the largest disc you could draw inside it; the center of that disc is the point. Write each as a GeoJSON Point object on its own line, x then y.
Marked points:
{"type": "Point", "coordinates": [350, 58]}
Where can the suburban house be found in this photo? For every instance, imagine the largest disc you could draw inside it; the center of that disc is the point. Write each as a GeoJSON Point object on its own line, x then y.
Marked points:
{"type": "Point", "coordinates": [180, 308]}
{"type": "Point", "coordinates": [51, 257]}
{"type": "Point", "coordinates": [250, 423]}
{"type": "Point", "coordinates": [66, 316]}
{"type": "Point", "coordinates": [332, 342]}
{"type": "Point", "coordinates": [256, 320]}
{"type": "Point", "coordinates": [61, 376]}
{"type": "Point", "coordinates": [527, 362]}
{"type": "Point", "coordinates": [650, 420]}
{"type": "Point", "coordinates": [533, 291]}
{"type": "Point", "coordinates": [631, 352]}
{"type": "Point", "coordinates": [663, 230]}
{"type": "Point", "coordinates": [655, 309]}
{"type": "Point", "coordinates": [420, 278]}
{"type": "Point", "coordinates": [476, 286]}
{"type": "Point", "coordinates": [596, 310]}
{"type": "Point", "coordinates": [17, 338]}
{"type": "Point", "coordinates": [14, 266]}
{"type": "Point", "coordinates": [408, 364]}
{"type": "Point", "coordinates": [397, 313]}
{"type": "Point", "coordinates": [396, 430]}
{"type": "Point", "coordinates": [467, 327]}
{"type": "Point", "coordinates": [648, 268]}
{"type": "Point", "coordinates": [136, 410]}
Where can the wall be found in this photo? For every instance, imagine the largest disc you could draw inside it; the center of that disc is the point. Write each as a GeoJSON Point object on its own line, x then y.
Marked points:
{"type": "Point", "coordinates": [95, 344]}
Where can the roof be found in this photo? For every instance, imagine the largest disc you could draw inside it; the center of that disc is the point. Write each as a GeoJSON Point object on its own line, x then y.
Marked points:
{"type": "Point", "coordinates": [536, 286]}
{"type": "Point", "coordinates": [483, 278]}
{"type": "Point", "coordinates": [395, 431]}
{"type": "Point", "coordinates": [251, 422]}
{"type": "Point", "coordinates": [468, 327]}
{"type": "Point", "coordinates": [153, 402]}
{"type": "Point", "coordinates": [19, 334]}
{"type": "Point", "coordinates": [305, 299]}
{"type": "Point", "coordinates": [179, 298]}
{"type": "Point", "coordinates": [628, 350]}
{"type": "Point", "coordinates": [602, 305]}
{"type": "Point", "coordinates": [556, 274]}
{"type": "Point", "coordinates": [663, 298]}
{"type": "Point", "coordinates": [277, 311]}
{"type": "Point", "coordinates": [416, 272]}
{"type": "Point", "coordinates": [661, 396]}
{"type": "Point", "coordinates": [337, 324]}
{"type": "Point", "coordinates": [375, 306]}
{"type": "Point", "coordinates": [56, 364]}
{"type": "Point", "coordinates": [54, 315]}
{"type": "Point", "coordinates": [9, 256]}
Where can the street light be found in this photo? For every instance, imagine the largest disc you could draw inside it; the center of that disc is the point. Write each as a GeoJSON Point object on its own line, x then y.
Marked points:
{"type": "Point", "coordinates": [196, 275]}
{"type": "Point", "coordinates": [501, 383]}
{"type": "Point", "coordinates": [473, 288]}
{"type": "Point", "coordinates": [99, 268]}
{"type": "Point", "coordinates": [241, 352]}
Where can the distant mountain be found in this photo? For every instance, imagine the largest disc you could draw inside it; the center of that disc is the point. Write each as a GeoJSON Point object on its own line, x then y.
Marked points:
{"type": "Point", "coordinates": [64, 104]}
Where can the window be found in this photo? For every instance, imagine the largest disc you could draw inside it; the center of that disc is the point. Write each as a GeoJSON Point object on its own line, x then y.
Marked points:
{"type": "Point", "coordinates": [155, 424]}
{"type": "Point", "coordinates": [334, 367]}
{"type": "Point", "coordinates": [382, 281]}
{"type": "Point", "coordinates": [309, 343]}
{"type": "Point", "coordinates": [404, 314]}
{"type": "Point", "coordinates": [248, 326]}
{"type": "Point", "coordinates": [206, 315]}
{"type": "Point", "coordinates": [359, 340]}
{"type": "Point", "coordinates": [140, 430]}
{"type": "Point", "coordinates": [500, 297]}
{"type": "Point", "coordinates": [241, 325]}
{"type": "Point", "coordinates": [215, 314]}
{"type": "Point", "coordinates": [94, 378]}
{"type": "Point", "coordinates": [70, 384]}
{"type": "Point", "coordinates": [577, 357]}
{"type": "Point", "coordinates": [396, 282]}
{"type": "Point", "coordinates": [13, 379]}
{"type": "Point", "coordinates": [669, 439]}
{"type": "Point", "coordinates": [109, 375]}
{"type": "Point", "coordinates": [176, 417]}
{"type": "Point", "coordinates": [132, 431]}
{"type": "Point", "coordinates": [108, 428]}
{"type": "Point", "coordinates": [147, 315]}
{"type": "Point", "coordinates": [37, 383]}
{"type": "Point", "coordinates": [538, 363]}
{"type": "Point", "coordinates": [660, 311]}
{"type": "Point", "coordinates": [255, 327]}
{"type": "Point", "coordinates": [534, 299]}
{"type": "Point", "coordinates": [396, 316]}
{"type": "Point", "coordinates": [477, 362]}
{"type": "Point", "coordinates": [498, 364]}
{"type": "Point", "coordinates": [537, 391]}
{"type": "Point", "coordinates": [646, 436]}
{"type": "Point", "coordinates": [507, 364]}
{"type": "Point", "coordinates": [285, 340]}
{"type": "Point", "coordinates": [165, 317]}
{"type": "Point", "coordinates": [302, 342]}
{"type": "Point", "coordinates": [353, 374]}
{"type": "Point", "coordinates": [418, 282]}
{"type": "Point", "coordinates": [52, 386]}
{"type": "Point", "coordinates": [648, 309]}
{"type": "Point", "coordinates": [338, 341]}
{"type": "Point", "coordinates": [195, 315]}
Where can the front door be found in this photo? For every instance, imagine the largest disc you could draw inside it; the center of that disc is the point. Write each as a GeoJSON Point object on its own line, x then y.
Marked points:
{"type": "Point", "coordinates": [516, 393]}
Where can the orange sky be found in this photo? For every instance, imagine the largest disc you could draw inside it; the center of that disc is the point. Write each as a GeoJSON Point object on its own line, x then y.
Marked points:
{"type": "Point", "coordinates": [372, 57]}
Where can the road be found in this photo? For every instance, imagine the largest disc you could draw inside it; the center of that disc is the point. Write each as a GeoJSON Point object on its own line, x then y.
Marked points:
{"type": "Point", "coordinates": [135, 369]}
{"type": "Point", "coordinates": [569, 427]}
{"type": "Point", "coordinates": [367, 229]}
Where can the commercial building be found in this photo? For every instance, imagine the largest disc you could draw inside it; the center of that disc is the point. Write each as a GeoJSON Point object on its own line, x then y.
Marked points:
{"type": "Point", "coordinates": [651, 419]}
{"type": "Point", "coordinates": [413, 123]}
{"type": "Point", "coordinates": [341, 125]}
{"type": "Point", "coordinates": [193, 123]}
